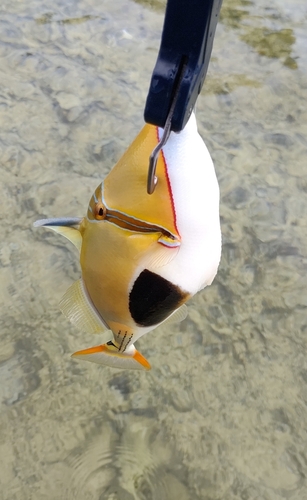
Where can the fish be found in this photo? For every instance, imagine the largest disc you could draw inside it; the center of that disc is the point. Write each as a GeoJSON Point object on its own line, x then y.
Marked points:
{"type": "Point", "coordinates": [142, 256]}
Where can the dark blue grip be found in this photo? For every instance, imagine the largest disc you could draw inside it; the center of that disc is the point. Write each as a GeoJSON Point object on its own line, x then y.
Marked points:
{"type": "Point", "coordinates": [183, 60]}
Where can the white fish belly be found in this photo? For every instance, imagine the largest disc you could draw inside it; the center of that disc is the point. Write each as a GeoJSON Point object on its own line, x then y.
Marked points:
{"type": "Point", "coordinates": [195, 194]}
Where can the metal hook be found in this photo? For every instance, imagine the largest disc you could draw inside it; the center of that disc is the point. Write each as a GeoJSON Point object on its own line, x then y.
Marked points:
{"type": "Point", "coordinates": [151, 178]}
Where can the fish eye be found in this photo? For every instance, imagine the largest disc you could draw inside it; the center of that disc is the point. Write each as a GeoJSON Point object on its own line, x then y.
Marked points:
{"type": "Point", "coordinates": [100, 211]}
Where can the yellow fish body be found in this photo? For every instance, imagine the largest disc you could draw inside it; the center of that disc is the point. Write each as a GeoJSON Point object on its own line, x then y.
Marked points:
{"type": "Point", "coordinates": [142, 256]}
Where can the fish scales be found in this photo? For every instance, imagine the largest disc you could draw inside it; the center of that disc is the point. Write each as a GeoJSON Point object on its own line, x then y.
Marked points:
{"type": "Point", "coordinates": [143, 256]}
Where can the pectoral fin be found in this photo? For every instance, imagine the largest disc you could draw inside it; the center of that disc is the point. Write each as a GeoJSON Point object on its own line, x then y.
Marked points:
{"type": "Point", "coordinates": [162, 255]}
{"type": "Point", "coordinates": [67, 227]}
{"type": "Point", "coordinates": [109, 355]}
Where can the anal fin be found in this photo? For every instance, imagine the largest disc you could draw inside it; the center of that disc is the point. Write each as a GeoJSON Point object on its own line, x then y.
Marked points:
{"type": "Point", "coordinates": [109, 355]}
{"type": "Point", "coordinates": [177, 316]}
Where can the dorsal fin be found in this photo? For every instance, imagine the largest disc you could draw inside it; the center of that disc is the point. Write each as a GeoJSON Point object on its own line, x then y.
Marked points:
{"type": "Point", "coordinates": [67, 227]}
{"type": "Point", "coordinates": [70, 233]}
{"type": "Point", "coordinates": [77, 307]}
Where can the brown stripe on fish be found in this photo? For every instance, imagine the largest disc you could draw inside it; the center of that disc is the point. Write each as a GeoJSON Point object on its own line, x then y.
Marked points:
{"type": "Point", "coordinates": [100, 212]}
{"type": "Point", "coordinates": [123, 339]}
{"type": "Point", "coordinates": [153, 298]}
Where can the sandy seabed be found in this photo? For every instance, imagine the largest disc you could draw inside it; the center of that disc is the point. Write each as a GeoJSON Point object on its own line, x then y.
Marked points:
{"type": "Point", "coordinates": [222, 415]}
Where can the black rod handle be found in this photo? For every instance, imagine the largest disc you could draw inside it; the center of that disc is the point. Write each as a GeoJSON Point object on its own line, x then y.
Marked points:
{"type": "Point", "coordinates": [187, 39]}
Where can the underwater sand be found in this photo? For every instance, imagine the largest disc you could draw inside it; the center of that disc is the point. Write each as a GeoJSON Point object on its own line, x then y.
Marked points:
{"type": "Point", "coordinates": [222, 415]}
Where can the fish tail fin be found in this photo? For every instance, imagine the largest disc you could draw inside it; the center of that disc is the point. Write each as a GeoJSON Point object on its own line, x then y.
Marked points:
{"type": "Point", "coordinates": [108, 354]}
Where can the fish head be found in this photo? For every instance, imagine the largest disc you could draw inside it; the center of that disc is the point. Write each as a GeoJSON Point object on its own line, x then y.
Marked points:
{"type": "Point", "coordinates": [122, 197]}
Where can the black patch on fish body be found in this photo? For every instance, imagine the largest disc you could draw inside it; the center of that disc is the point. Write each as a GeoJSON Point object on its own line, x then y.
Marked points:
{"type": "Point", "coordinates": [153, 298]}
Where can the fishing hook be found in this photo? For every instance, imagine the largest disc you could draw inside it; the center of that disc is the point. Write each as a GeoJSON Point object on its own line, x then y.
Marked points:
{"type": "Point", "coordinates": [153, 158]}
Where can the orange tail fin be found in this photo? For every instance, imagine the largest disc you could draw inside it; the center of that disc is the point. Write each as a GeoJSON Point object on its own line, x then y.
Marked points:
{"type": "Point", "coordinates": [108, 354]}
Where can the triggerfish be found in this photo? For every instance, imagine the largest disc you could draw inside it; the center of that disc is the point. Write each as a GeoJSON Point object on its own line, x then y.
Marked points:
{"type": "Point", "coordinates": [143, 255]}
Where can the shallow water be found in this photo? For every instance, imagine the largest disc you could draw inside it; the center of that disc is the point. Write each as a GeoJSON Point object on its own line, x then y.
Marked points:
{"type": "Point", "coordinates": [222, 414]}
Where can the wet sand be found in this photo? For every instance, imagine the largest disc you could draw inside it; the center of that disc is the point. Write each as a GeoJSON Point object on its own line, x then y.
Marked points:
{"type": "Point", "coordinates": [222, 414]}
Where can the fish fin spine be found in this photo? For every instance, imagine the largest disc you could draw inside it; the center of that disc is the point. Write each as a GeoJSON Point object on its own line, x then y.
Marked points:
{"type": "Point", "coordinates": [67, 227]}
